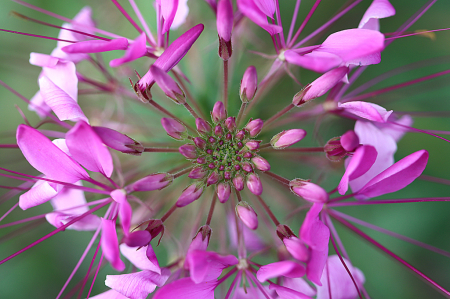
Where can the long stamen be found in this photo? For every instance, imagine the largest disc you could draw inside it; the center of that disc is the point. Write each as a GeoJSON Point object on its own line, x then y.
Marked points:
{"type": "Point", "coordinates": [127, 16]}
{"type": "Point", "coordinates": [388, 201]}
{"type": "Point", "coordinates": [37, 35]}
{"type": "Point", "coordinates": [305, 21]}
{"type": "Point", "coordinates": [138, 13]}
{"type": "Point", "coordinates": [211, 209]}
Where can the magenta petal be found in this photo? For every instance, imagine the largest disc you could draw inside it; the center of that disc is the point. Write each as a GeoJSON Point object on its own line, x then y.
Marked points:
{"type": "Point", "coordinates": [71, 200]}
{"type": "Point", "coordinates": [137, 285]}
{"type": "Point", "coordinates": [120, 196]}
{"type": "Point", "coordinates": [138, 238]}
{"type": "Point", "coordinates": [64, 106]}
{"type": "Point", "coordinates": [190, 194]}
{"type": "Point", "coordinates": [136, 50]}
{"type": "Point", "coordinates": [87, 148]}
{"type": "Point", "coordinates": [254, 13]}
{"type": "Point", "coordinates": [316, 61]}
{"type": "Point", "coordinates": [110, 294]}
{"type": "Point", "coordinates": [40, 193]}
{"type": "Point", "coordinates": [207, 265]}
{"type": "Point", "coordinates": [185, 288]}
{"type": "Point", "coordinates": [341, 285]}
{"type": "Point", "coordinates": [396, 177]}
{"type": "Point", "coordinates": [151, 182]}
{"type": "Point", "coordinates": [47, 158]}
{"type": "Point", "coordinates": [224, 19]}
{"type": "Point", "coordinates": [366, 110]}
{"type": "Point", "coordinates": [361, 161]}
{"type": "Point", "coordinates": [287, 293]}
{"type": "Point", "coordinates": [63, 74]}
{"type": "Point", "coordinates": [118, 141]}
{"type": "Point", "coordinates": [165, 82]}
{"type": "Point", "coordinates": [299, 285]}
{"type": "Point", "coordinates": [353, 43]}
{"type": "Point", "coordinates": [138, 257]}
{"type": "Point", "coordinates": [296, 248]}
{"type": "Point", "coordinates": [313, 232]}
{"type": "Point", "coordinates": [168, 11]}
{"type": "Point", "coordinates": [173, 54]}
{"type": "Point", "coordinates": [110, 244]}
{"type": "Point", "coordinates": [379, 9]}
{"type": "Point", "coordinates": [96, 46]}
{"type": "Point", "coordinates": [283, 268]}
{"type": "Point", "coordinates": [316, 265]}
{"type": "Point", "coordinates": [321, 85]}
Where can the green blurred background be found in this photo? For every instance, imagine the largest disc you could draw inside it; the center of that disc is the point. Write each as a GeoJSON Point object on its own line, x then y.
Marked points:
{"type": "Point", "coordinates": [41, 271]}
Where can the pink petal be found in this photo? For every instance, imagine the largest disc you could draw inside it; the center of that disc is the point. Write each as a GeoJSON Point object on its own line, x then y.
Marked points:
{"type": "Point", "coordinates": [64, 106]}
{"type": "Point", "coordinates": [317, 61]}
{"type": "Point", "coordinates": [207, 265]}
{"type": "Point", "coordinates": [173, 54]}
{"type": "Point", "coordinates": [185, 288]}
{"type": "Point", "coordinates": [96, 46]}
{"type": "Point", "coordinates": [138, 238]}
{"type": "Point", "coordinates": [362, 160]}
{"type": "Point", "coordinates": [316, 265]}
{"type": "Point", "coordinates": [118, 141]}
{"type": "Point", "coordinates": [180, 16]}
{"type": "Point", "coordinates": [37, 104]}
{"type": "Point", "coordinates": [296, 248]}
{"type": "Point", "coordinates": [253, 241]}
{"type": "Point", "coordinates": [395, 131]}
{"type": "Point", "coordinates": [308, 191]}
{"type": "Point", "coordinates": [63, 75]}
{"type": "Point", "coordinates": [366, 110]}
{"type": "Point", "coordinates": [168, 11]}
{"type": "Point", "coordinates": [87, 148]}
{"type": "Point", "coordinates": [313, 232]}
{"type": "Point", "coordinates": [225, 19]}
{"type": "Point", "coordinates": [266, 6]}
{"type": "Point", "coordinates": [137, 285]}
{"type": "Point", "coordinates": [111, 294]}
{"type": "Point", "coordinates": [190, 194]}
{"type": "Point", "coordinates": [138, 257]}
{"type": "Point", "coordinates": [68, 198]}
{"type": "Point", "coordinates": [41, 192]}
{"type": "Point", "coordinates": [136, 50]}
{"type": "Point", "coordinates": [43, 155]}
{"type": "Point", "coordinates": [341, 285]}
{"type": "Point", "coordinates": [352, 44]}
{"type": "Point", "coordinates": [379, 9]}
{"type": "Point", "coordinates": [299, 285]}
{"type": "Point", "coordinates": [283, 268]}
{"type": "Point", "coordinates": [151, 182]}
{"type": "Point", "coordinates": [43, 60]}
{"type": "Point", "coordinates": [396, 177]}
{"type": "Point", "coordinates": [88, 223]}
{"type": "Point", "coordinates": [120, 196]}
{"type": "Point", "coordinates": [287, 293]}
{"type": "Point", "coordinates": [165, 82]}
{"type": "Point", "coordinates": [110, 244]}
{"type": "Point", "coordinates": [254, 13]}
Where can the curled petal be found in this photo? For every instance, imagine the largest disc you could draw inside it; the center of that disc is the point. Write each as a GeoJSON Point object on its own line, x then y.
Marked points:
{"type": "Point", "coordinates": [125, 212]}
{"type": "Point", "coordinates": [379, 9]}
{"type": "Point", "coordinates": [283, 268]}
{"type": "Point", "coordinates": [136, 50]}
{"type": "Point", "coordinates": [43, 60]}
{"type": "Point", "coordinates": [47, 158]}
{"type": "Point", "coordinates": [187, 289]}
{"type": "Point", "coordinates": [87, 148]}
{"type": "Point", "coordinates": [137, 285]}
{"type": "Point", "coordinates": [252, 11]}
{"type": "Point", "coordinates": [313, 232]}
{"type": "Point", "coordinates": [396, 177]}
{"type": "Point", "coordinates": [88, 223]}
{"type": "Point", "coordinates": [296, 248]}
{"type": "Point", "coordinates": [138, 257]}
{"type": "Point", "coordinates": [110, 244]}
{"type": "Point", "coordinates": [207, 266]}
{"type": "Point", "coordinates": [41, 192]}
{"type": "Point", "coordinates": [366, 110]}
{"type": "Point", "coordinates": [96, 46]}
{"type": "Point", "coordinates": [64, 106]}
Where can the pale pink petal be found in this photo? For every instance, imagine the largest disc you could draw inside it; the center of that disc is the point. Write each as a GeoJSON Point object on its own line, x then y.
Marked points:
{"type": "Point", "coordinates": [41, 192]}
{"type": "Point", "coordinates": [395, 131]}
{"type": "Point", "coordinates": [384, 144]}
{"type": "Point", "coordinates": [43, 155]}
{"type": "Point", "coordinates": [224, 19]}
{"type": "Point", "coordinates": [180, 16]}
{"type": "Point", "coordinates": [88, 149]}
{"type": "Point", "coordinates": [352, 44]}
{"type": "Point", "coordinates": [168, 11]}
{"type": "Point", "coordinates": [366, 110]}
{"type": "Point", "coordinates": [64, 75]}
{"type": "Point", "coordinates": [88, 223]}
{"type": "Point", "coordinates": [96, 46]}
{"type": "Point", "coordinates": [254, 13]}
{"type": "Point", "coordinates": [361, 161]}
{"type": "Point", "coordinates": [299, 285]}
{"type": "Point", "coordinates": [287, 293]}
{"type": "Point", "coordinates": [137, 285]}
{"type": "Point", "coordinates": [136, 50]}
{"type": "Point", "coordinates": [284, 268]}
{"type": "Point", "coordinates": [266, 6]}
{"type": "Point", "coordinates": [38, 105]}
{"type": "Point", "coordinates": [316, 61]}
{"type": "Point", "coordinates": [138, 257]}
{"type": "Point", "coordinates": [62, 145]}
{"type": "Point", "coordinates": [110, 244]}
{"type": "Point", "coordinates": [71, 200]}
{"type": "Point", "coordinates": [313, 232]}
{"type": "Point", "coordinates": [111, 294]}
{"type": "Point", "coordinates": [340, 285]}
{"type": "Point", "coordinates": [316, 265]}
{"type": "Point", "coordinates": [379, 9]}
{"type": "Point", "coordinates": [64, 106]}
{"type": "Point", "coordinates": [125, 211]}
{"type": "Point", "coordinates": [207, 265]}
{"type": "Point", "coordinates": [396, 177]}
{"type": "Point", "coordinates": [43, 60]}
{"type": "Point", "coordinates": [187, 289]}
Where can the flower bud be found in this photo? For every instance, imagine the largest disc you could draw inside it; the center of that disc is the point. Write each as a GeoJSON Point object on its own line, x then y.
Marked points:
{"type": "Point", "coordinates": [247, 167]}
{"type": "Point", "coordinates": [203, 126]}
{"type": "Point", "coordinates": [224, 27]}
{"type": "Point", "coordinates": [197, 173]}
{"type": "Point", "coordinates": [340, 147]}
{"type": "Point", "coordinates": [155, 227]}
{"type": "Point", "coordinates": [253, 144]}
{"type": "Point", "coordinates": [137, 238]}
{"type": "Point", "coordinates": [254, 184]}
{"type": "Point", "coordinates": [190, 194]}
{"type": "Point", "coordinates": [218, 113]}
{"type": "Point", "coordinates": [249, 84]}
{"type": "Point", "coordinates": [238, 182]}
{"type": "Point", "coordinates": [261, 163]}
{"type": "Point", "coordinates": [240, 135]}
{"type": "Point", "coordinates": [174, 128]}
{"type": "Point", "coordinates": [293, 244]}
{"type": "Point", "coordinates": [213, 178]}
{"type": "Point", "coordinates": [308, 191]}
{"type": "Point", "coordinates": [218, 130]}
{"type": "Point", "coordinates": [350, 141]}
{"type": "Point", "coordinates": [200, 142]}
{"type": "Point", "coordinates": [246, 213]}
{"type": "Point", "coordinates": [230, 123]}
{"type": "Point", "coordinates": [287, 138]}
{"type": "Point", "coordinates": [119, 141]}
{"type": "Point", "coordinates": [151, 182]}
{"type": "Point", "coordinates": [168, 85]}
{"type": "Point", "coordinates": [254, 127]}
{"type": "Point", "coordinates": [188, 150]}
{"type": "Point", "coordinates": [223, 192]}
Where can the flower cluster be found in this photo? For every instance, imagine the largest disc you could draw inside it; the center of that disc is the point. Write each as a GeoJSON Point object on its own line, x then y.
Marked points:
{"type": "Point", "coordinates": [224, 214]}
